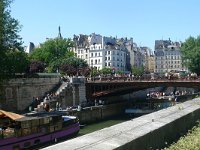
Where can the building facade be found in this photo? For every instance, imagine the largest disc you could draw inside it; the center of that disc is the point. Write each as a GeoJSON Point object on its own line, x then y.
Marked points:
{"type": "Point", "coordinates": [168, 56]}
{"type": "Point", "coordinates": [101, 52]}
{"type": "Point", "coordinates": [147, 59]}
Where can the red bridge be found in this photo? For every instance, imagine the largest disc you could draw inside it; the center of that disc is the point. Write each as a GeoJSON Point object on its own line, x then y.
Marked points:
{"type": "Point", "coordinates": [95, 89]}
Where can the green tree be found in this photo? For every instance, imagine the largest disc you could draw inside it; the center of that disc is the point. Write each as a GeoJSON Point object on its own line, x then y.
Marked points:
{"type": "Point", "coordinates": [9, 28]}
{"type": "Point", "coordinates": [10, 42]}
{"type": "Point", "coordinates": [94, 72]}
{"type": "Point", "coordinates": [137, 71]}
{"type": "Point", "coordinates": [106, 71]}
{"type": "Point", "coordinates": [190, 50]}
{"type": "Point", "coordinates": [17, 62]}
{"type": "Point", "coordinates": [53, 52]}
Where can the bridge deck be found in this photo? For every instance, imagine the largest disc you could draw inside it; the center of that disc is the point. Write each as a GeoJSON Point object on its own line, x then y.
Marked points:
{"type": "Point", "coordinates": [105, 88]}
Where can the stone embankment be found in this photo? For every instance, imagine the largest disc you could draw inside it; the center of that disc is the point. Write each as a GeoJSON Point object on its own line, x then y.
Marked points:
{"type": "Point", "coordinates": [150, 131]}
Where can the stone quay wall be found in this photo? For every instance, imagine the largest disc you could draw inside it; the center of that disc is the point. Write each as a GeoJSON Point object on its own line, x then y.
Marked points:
{"type": "Point", "coordinates": [17, 94]}
{"type": "Point", "coordinates": [152, 131]}
{"type": "Point", "coordinates": [97, 113]}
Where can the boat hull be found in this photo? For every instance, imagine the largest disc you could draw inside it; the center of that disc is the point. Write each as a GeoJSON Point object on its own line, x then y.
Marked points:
{"type": "Point", "coordinates": [36, 140]}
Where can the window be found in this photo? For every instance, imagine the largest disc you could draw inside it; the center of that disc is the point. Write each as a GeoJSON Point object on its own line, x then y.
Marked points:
{"type": "Point", "coordinates": [91, 54]}
{"type": "Point", "coordinates": [99, 60]}
{"type": "Point", "coordinates": [105, 58]}
{"type": "Point", "coordinates": [95, 54]}
{"type": "Point", "coordinates": [108, 52]}
{"type": "Point", "coordinates": [95, 61]}
{"type": "Point", "coordinates": [109, 64]}
{"type": "Point", "coordinates": [36, 141]}
{"type": "Point", "coordinates": [92, 62]}
{"type": "Point", "coordinates": [108, 58]}
{"type": "Point", "coordinates": [113, 58]}
{"type": "Point", "coordinates": [99, 54]}
{"type": "Point", "coordinates": [105, 64]}
{"type": "Point", "coordinates": [113, 52]}
{"type": "Point", "coordinates": [16, 147]}
{"type": "Point", "coordinates": [27, 144]}
{"type": "Point", "coordinates": [86, 56]}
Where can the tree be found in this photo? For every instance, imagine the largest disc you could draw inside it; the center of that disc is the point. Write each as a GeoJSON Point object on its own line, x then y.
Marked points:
{"type": "Point", "coordinates": [10, 42]}
{"type": "Point", "coordinates": [9, 28]}
{"type": "Point", "coordinates": [75, 66]}
{"type": "Point", "coordinates": [137, 71]}
{"type": "Point", "coordinates": [36, 66]}
{"type": "Point", "coordinates": [106, 71]}
{"type": "Point", "coordinates": [17, 62]}
{"type": "Point", "coordinates": [190, 50]}
{"type": "Point", "coordinates": [53, 52]}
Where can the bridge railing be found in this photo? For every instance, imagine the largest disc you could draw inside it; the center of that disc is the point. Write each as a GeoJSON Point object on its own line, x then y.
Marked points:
{"type": "Point", "coordinates": [140, 79]}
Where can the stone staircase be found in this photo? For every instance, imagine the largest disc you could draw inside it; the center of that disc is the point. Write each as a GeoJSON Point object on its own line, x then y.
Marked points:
{"type": "Point", "coordinates": [58, 93]}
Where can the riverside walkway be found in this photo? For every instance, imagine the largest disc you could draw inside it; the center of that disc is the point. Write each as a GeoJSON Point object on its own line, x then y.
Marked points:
{"type": "Point", "coordinates": [150, 131]}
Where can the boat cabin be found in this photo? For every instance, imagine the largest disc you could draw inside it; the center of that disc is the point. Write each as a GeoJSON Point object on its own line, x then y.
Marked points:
{"type": "Point", "coordinates": [14, 125]}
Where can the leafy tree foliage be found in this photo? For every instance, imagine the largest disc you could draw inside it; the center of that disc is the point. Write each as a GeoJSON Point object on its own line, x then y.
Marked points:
{"type": "Point", "coordinates": [17, 62]}
{"type": "Point", "coordinates": [106, 71]}
{"type": "Point", "coordinates": [119, 72]}
{"type": "Point", "coordinates": [53, 52]}
{"type": "Point", "coordinates": [9, 28]}
{"type": "Point", "coordinates": [36, 66]}
{"type": "Point", "coordinates": [94, 71]}
{"type": "Point", "coordinates": [75, 66]}
{"type": "Point", "coordinates": [137, 71]}
{"type": "Point", "coordinates": [12, 58]}
{"type": "Point", "coordinates": [191, 54]}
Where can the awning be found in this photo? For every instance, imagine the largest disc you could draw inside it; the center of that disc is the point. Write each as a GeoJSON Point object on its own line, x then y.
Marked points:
{"type": "Point", "coordinates": [10, 115]}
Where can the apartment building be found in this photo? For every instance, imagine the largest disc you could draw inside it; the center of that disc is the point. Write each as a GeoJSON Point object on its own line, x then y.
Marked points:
{"type": "Point", "coordinates": [168, 56]}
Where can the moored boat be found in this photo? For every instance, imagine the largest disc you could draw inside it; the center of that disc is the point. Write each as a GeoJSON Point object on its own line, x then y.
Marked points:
{"type": "Point", "coordinates": [33, 130]}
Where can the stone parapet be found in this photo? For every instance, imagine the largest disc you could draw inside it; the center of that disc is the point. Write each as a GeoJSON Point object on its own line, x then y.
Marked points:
{"type": "Point", "coordinates": [152, 131]}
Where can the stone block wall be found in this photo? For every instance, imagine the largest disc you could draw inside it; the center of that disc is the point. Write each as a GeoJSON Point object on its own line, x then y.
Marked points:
{"type": "Point", "coordinates": [97, 113]}
{"type": "Point", "coordinates": [18, 93]}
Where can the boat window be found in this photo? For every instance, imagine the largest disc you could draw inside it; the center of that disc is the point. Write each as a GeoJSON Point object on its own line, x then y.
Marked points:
{"type": "Point", "coordinates": [16, 147]}
{"type": "Point", "coordinates": [9, 132]}
{"type": "Point", "coordinates": [58, 126]}
{"type": "Point", "coordinates": [51, 128]}
{"type": "Point", "coordinates": [34, 130]}
{"type": "Point", "coordinates": [18, 133]}
{"type": "Point", "coordinates": [1, 133]}
{"type": "Point", "coordinates": [68, 122]}
{"type": "Point", "coordinates": [25, 124]}
{"type": "Point", "coordinates": [27, 144]}
{"type": "Point", "coordinates": [26, 131]}
{"type": "Point", "coordinates": [37, 141]}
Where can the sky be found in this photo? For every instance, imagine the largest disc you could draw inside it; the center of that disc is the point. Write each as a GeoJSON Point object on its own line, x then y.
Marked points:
{"type": "Point", "coordinates": [143, 20]}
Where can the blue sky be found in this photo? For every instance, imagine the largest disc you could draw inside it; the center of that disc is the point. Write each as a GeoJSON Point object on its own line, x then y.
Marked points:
{"type": "Point", "coordinates": [144, 20]}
